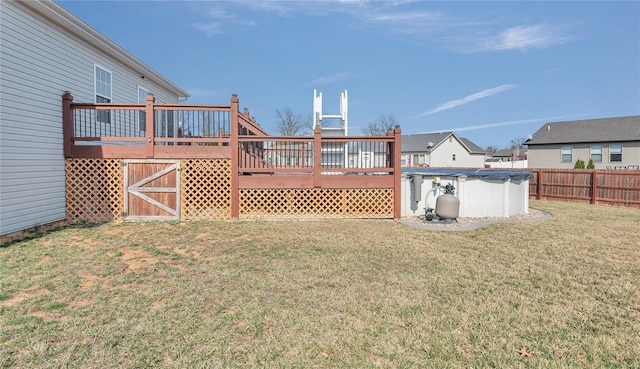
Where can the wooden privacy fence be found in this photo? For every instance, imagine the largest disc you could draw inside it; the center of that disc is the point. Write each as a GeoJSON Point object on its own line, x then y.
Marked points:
{"type": "Point", "coordinates": [615, 187]}
{"type": "Point", "coordinates": [177, 161]}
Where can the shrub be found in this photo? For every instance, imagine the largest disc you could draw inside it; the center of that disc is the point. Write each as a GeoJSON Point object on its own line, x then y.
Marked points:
{"type": "Point", "coordinates": [591, 165]}
{"type": "Point", "coordinates": [579, 164]}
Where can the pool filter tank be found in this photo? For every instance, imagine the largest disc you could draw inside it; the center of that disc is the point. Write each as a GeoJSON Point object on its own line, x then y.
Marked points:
{"type": "Point", "coordinates": [447, 204]}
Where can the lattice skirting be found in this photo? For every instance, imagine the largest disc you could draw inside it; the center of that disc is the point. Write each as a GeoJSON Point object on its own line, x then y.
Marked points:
{"type": "Point", "coordinates": [205, 189]}
{"type": "Point", "coordinates": [315, 203]}
{"type": "Point", "coordinates": [94, 190]}
{"type": "Point", "coordinates": [95, 193]}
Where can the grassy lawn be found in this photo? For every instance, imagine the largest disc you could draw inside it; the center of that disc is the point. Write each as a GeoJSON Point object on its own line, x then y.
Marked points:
{"type": "Point", "coordinates": [559, 293]}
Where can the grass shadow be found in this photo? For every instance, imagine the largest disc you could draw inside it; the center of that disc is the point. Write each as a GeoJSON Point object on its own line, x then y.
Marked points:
{"type": "Point", "coordinates": [41, 231]}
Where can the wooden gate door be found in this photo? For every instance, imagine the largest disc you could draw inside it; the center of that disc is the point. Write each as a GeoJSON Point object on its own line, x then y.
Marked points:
{"type": "Point", "coordinates": [152, 189]}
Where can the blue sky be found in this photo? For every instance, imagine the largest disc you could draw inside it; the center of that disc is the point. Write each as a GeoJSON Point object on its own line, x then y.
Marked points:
{"type": "Point", "coordinates": [490, 71]}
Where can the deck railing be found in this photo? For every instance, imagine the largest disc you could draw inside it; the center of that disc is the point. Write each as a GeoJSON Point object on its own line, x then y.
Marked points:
{"type": "Point", "coordinates": [181, 131]}
{"type": "Point", "coordinates": [148, 130]}
{"type": "Point", "coordinates": [320, 162]}
{"type": "Point", "coordinates": [176, 131]}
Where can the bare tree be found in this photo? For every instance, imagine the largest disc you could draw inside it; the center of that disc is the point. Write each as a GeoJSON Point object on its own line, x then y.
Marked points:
{"type": "Point", "coordinates": [380, 126]}
{"type": "Point", "coordinates": [290, 123]}
{"type": "Point", "coordinates": [308, 123]}
{"type": "Point", "coordinates": [491, 150]}
{"type": "Point", "coordinates": [518, 143]}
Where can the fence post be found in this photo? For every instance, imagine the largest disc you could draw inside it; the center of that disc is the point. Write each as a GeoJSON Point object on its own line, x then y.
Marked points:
{"type": "Point", "coordinates": [539, 185]}
{"type": "Point", "coordinates": [235, 158]}
{"type": "Point", "coordinates": [67, 123]}
{"type": "Point", "coordinates": [317, 157]}
{"type": "Point", "coordinates": [594, 186]}
{"type": "Point", "coordinates": [397, 173]}
{"type": "Point", "coordinates": [149, 118]}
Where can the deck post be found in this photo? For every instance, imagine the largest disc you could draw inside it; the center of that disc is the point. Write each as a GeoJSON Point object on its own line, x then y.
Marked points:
{"type": "Point", "coordinates": [397, 173]}
{"type": "Point", "coordinates": [149, 118]}
{"type": "Point", "coordinates": [317, 157]}
{"type": "Point", "coordinates": [235, 157]}
{"type": "Point", "coordinates": [67, 123]}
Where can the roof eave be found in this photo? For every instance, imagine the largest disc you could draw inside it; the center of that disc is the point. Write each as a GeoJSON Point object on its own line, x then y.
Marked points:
{"type": "Point", "coordinates": [75, 25]}
{"type": "Point", "coordinates": [579, 142]}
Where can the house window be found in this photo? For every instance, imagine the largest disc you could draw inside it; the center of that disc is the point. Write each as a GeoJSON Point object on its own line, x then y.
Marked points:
{"type": "Point", "coordinates": [419, 160]}
{"type": "Point", "coordinates": [453, 157]}
{"type": "Point", "coordinates": [103, 93]}
{"type": "Point", "coordinates": [596, 154]}
{"type": "Point", "coordinates": [566, 154]}
{"type": "Point", "coordinates": [615, 152]}
{"type": "Point", "coordinates": [142, 116]}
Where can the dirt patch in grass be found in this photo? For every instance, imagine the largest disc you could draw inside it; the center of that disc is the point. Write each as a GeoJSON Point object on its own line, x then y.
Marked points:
{"type": "Point", "coordinates": [20, 296]}
{"type": "Point", "coordinates": [135, 260]}
{"type": "Point", "coordinates": [87, 280]}
{"type": "Point", "coordinates": [45, 260]}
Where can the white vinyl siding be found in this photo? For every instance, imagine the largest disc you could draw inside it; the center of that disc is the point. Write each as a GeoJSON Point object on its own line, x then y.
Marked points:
{"type": "Point", "coordinates": [40, 61]}
{"type": "Point", "coordinates": [142, 99]}
{"type": "Point", "coordinates": [443, 155]}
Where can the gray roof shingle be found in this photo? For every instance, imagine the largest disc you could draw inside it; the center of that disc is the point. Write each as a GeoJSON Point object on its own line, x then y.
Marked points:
{"type": "Point", "coordinates": [591, 130]}
{"type": "Point", "coordinates": [474, 149]}
{"type": "Point", "coordinates": [503, 153]}
{"type": "Point", "coordinates": [420, 142]}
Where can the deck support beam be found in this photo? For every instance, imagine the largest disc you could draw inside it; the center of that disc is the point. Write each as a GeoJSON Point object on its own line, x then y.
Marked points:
{"type": "Point", "coordinates": [235, 156]}
{"type": "Point", "coordinates": [397, 172]}
{"type": "Point", "coordinates": [149, 118]}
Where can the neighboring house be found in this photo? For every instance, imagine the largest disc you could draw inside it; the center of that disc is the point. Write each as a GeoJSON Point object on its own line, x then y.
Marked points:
{"type": "Point", "coordinates": [612, 143]}
{"type": "Point", "coordinates": [508, 158]}
{"type": "Point", "coordinates": [46, 51]}
{"type": "Point", "coordinates": [509, 155]}
{"type": "Point", "coordinates": [444, 149]}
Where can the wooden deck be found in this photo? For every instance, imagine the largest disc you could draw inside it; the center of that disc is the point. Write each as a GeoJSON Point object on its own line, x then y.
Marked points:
{"type": "Point", "coordinates": [332, 168]}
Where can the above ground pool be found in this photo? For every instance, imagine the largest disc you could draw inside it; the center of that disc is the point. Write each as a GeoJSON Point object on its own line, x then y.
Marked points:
{"type": "Point", "coordinates": [482, 192]}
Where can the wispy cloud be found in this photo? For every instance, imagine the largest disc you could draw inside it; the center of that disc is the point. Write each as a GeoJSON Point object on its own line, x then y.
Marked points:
{"type": "Point", "coordinates": [507, 123]}
{"type": "Point", "coordinates": [467, 99]}
{"type": "Point", "coordinates": [424, 24]}
{"type": "Point", "coordinates": [525, 37]}
{"type": "Point", "coordinates": [332, 78]}
{"type": "Point", "coordinates": [209, 28]}
{"type": "Point", "coordinates": [415, 21]}
{"type": "Point", "coordinates": [219, 13]}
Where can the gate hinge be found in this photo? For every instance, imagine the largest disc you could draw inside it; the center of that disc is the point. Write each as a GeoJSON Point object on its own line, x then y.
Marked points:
{"type": "Point", "coordinates": [124, 215]}
{"type": "Point", "coordinates": [123, 164]}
